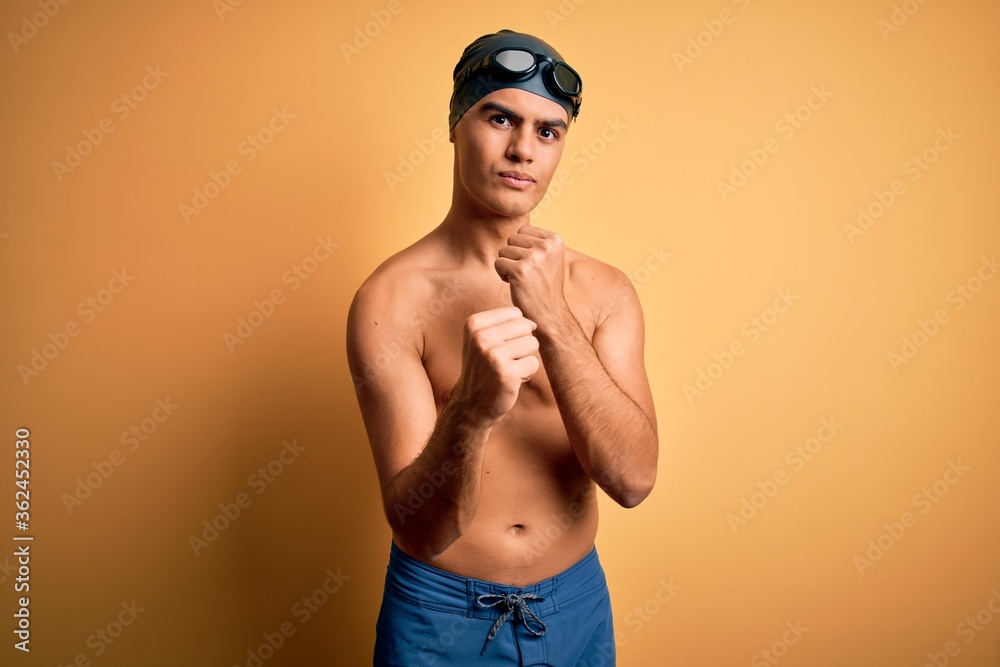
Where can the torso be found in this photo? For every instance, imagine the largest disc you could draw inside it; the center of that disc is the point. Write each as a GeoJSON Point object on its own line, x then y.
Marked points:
{"type": "Point", "coordinates": [537, 512]}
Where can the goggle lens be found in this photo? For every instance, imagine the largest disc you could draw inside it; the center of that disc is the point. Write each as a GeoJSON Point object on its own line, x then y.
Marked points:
{"type": "Point", "coordinates": [567, 79]}
{"type": "Point", "coordinates": [516, 60]}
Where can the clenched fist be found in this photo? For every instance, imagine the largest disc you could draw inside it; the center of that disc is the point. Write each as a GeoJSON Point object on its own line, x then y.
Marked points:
{"type": "Point", "coordinates": [533, 264]}
{"type": "Point", "coordinates": [499, 353]}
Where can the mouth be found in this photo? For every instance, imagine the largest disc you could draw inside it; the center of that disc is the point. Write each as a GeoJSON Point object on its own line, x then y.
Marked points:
{"type": "Point", "coordinates": [517, 179]}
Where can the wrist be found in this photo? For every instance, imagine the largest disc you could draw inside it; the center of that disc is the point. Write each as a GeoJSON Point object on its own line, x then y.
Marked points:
{"type": "Point", "coordinates": [554, 320]}
{"type": "Point", "coordinates": [546, 311]}
{"type": "Point", "coordinates": [468, 414]}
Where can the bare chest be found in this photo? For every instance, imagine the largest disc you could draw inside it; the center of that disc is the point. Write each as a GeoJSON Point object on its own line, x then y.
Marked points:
{"type": "Point", "coordinates": [442, 336]}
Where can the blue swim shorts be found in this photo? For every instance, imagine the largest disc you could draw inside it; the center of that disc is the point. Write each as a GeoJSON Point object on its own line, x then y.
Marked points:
{"type": "Point", "coordinates": [433, 618]}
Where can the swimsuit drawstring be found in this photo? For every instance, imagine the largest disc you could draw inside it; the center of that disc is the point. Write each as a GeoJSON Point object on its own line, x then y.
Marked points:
{"type": "Point", "coordinates": [513, 604]}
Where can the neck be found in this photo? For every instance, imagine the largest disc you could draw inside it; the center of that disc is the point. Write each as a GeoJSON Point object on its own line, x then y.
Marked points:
{"type": "Point", "coordinates": [474, 233]}
{"type": "Point", "coordinates": [477, 239]}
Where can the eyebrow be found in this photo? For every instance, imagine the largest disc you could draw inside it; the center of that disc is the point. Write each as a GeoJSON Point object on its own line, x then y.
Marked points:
{"type": "Point", "coordinates": [493, 106]}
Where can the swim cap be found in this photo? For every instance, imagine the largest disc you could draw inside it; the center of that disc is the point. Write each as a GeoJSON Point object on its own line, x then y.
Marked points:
{"type": "Point", "coordinates": [470, 88]}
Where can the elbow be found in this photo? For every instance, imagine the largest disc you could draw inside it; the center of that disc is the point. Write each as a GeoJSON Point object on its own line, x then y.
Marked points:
{"type": "Point", "coordinates": [424, 540]}
{"type": "Point", "coordinates": [424, 552]}
{"type": "Point", "coordinates": [633, 497]}
{"type": "Point", "coordinates": [635, 486]}
{"type": "Point", "coordinates": [422, 547]}
{"type": "Point", "coordinates": [636, 490]}
{"type": "Point", "coordinates": [632, 500]}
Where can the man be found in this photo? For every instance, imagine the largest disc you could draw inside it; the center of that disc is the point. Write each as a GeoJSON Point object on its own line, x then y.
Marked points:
{"type": "Point", "coordinates": [500, 376]}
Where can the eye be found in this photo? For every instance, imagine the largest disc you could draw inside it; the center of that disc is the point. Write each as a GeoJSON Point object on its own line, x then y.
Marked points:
{"type": "Point", "coordinates": [549, 134]}
{"type": "Point", "coordinates": [500, 119]}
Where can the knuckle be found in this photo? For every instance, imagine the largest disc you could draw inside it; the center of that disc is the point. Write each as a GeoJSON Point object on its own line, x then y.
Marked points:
{"type": "Point", "coordinates": [480, 341]}
{"type": "Point", "coordinates": [485, 347]}
{"type": "Point", "coordinates": [494, 358]}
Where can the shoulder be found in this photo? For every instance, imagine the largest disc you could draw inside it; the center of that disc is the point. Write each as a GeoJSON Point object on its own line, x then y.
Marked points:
{"type": "Point", "coordinates": [381, 311]}
{"type": "Point", "coordinates": [400, 280]}
{"type": "Point", "coordinates": [586, 269]}
{"type": "Point", "coordinates": [605, 287]}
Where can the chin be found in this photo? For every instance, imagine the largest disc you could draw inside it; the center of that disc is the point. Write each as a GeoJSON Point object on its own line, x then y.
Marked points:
{"type": "Point", "coordinates": [514, 206]}
{"type": "Point", "coordinates": [505, 202]}
{"type": "Point", "coordinates": [513, 210]}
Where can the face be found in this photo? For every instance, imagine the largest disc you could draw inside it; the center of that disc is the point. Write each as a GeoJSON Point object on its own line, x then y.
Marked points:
{"type": "Point", "coordinates": [507, 147]}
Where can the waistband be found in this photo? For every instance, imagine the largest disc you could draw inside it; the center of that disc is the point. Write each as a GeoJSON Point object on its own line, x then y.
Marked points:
{"type": "Point", "coordinates": [427, 586]}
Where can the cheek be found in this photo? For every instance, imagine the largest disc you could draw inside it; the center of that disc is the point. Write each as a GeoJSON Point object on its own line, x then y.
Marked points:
{"type": "Point", "coordinates": [552, 159]}
{"type": "Point", "coordinates": [475, 155]}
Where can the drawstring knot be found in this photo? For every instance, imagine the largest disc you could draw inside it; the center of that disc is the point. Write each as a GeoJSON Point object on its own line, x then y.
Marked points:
{"type": "Point", "coordinates": [512, 604]}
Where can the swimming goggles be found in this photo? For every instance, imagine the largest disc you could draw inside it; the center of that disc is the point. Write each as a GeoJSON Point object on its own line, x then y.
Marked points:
{"type": "Point", "coordinates": [520, 64]}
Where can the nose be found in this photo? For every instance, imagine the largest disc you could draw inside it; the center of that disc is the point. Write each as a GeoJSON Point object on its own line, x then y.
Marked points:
{"type": "Point", "coordinates": [521, 146]}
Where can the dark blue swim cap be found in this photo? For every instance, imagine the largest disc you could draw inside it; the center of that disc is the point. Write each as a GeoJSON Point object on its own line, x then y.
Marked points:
{"type": "Point", "coordinates": [470, 88]}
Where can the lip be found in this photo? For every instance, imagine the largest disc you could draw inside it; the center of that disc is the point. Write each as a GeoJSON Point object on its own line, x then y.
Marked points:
{"type": "Point", "coordinates": [517, 179]}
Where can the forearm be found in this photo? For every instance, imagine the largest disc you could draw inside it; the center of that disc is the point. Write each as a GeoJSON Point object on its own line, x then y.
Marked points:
{"type": "Point", "coordinates": [613, 438]}
{"type": "Point", "coordinates": [430, 503]}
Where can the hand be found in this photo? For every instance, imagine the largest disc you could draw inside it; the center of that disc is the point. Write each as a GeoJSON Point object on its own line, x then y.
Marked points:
{"type": "Point", "coordinates": [498, 355]}
{"type": "Point", "coordinates": [533, 263]}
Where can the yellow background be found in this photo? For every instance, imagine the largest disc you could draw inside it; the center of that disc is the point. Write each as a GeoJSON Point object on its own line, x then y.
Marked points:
{"type": "Point", "coordinates": [661, 133]}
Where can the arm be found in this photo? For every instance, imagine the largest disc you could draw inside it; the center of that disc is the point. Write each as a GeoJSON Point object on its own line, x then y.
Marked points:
{"type": "Point", "coordinates": [430, 484]}
{"type": "Point", "coordinates": [604, 399]}
{"type": "Point", "coordinates": [601, 387]}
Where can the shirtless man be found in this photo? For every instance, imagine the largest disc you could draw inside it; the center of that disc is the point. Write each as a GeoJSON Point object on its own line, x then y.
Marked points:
{"type": "Point", "coordinates": [500, 376]}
